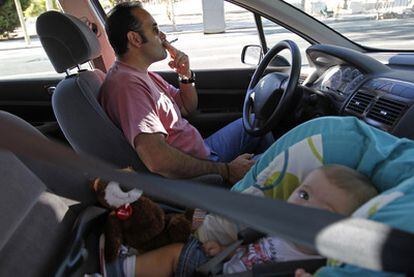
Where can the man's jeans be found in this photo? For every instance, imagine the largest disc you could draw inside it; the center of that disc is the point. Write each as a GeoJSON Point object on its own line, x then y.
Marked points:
{"type": "Point", "coordinates": [232, 140]}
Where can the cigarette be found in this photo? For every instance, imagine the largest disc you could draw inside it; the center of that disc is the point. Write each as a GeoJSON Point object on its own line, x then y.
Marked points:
{"type": "Point", "coordinates": [172, 41]}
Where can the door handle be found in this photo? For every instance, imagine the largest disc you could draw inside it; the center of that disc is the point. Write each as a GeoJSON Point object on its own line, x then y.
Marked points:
{"type": "Point", "coordinates": [50, 90]}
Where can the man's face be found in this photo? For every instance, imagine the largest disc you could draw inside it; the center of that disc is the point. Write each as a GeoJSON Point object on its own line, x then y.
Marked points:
{"type": "Point", "coordinates": [153, 48]}
{"type": "Point", "coordinates": [317, 191]}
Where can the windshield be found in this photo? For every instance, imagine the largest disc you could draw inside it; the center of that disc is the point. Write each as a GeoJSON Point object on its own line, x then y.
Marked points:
{"type": "Point", "coordinates": [386, 24]}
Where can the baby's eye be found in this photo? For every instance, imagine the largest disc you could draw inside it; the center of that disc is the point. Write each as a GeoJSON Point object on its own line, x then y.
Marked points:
{"type": "Point", "coordinates": [303, 194]}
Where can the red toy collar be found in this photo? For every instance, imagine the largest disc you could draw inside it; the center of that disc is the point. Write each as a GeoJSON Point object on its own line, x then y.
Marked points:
{"type": "Point", "coordinates": [124, 212]}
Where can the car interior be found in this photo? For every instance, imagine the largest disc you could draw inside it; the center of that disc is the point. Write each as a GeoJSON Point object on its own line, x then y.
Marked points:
{"type": "Point", "coordinates": [81, 45]}
{"type": "Point", "coordinates": [342, 79]}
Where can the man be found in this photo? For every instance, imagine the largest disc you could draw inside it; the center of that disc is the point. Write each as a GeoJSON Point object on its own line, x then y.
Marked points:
{"type": "Point", "coordinates": [149, 110]}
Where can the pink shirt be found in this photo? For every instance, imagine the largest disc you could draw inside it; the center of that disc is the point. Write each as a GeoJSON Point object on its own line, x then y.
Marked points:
{"type": "Point", "coordinates": [142, 102]}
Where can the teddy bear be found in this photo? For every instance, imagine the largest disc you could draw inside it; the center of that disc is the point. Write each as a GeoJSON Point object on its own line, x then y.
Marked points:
{"type": "Point", "coordinates": [137, 221]}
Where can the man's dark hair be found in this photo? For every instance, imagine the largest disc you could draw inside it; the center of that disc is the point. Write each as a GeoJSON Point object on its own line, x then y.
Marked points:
{"type": "Point", "coordinates": [120, 21]}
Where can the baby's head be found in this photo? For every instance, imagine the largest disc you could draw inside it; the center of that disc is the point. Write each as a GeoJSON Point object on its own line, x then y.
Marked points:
{"type": "Point", "coordinates": [335, 188]}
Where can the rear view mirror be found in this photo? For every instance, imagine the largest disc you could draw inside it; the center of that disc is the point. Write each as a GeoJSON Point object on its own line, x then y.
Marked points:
{"type": "Point", "coordinates": [252, 54]}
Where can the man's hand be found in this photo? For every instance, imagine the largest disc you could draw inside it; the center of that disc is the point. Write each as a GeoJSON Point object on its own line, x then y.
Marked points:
{"type": "Point", "coordinates": [239, 167]}
{"type": "Point", "coordinates": [179, 60]}
{"type": "Point", "coordinates": [212, 248]}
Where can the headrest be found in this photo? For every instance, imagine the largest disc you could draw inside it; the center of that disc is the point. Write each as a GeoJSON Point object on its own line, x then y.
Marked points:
{"type": "Point", "coordinates": [67, 40]}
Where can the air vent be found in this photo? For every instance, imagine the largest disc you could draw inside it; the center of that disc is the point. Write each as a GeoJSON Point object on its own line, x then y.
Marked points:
{"type": "Point", "coordinates": [359, 102]}
{"type": "Point", "coordinates": [386, 111]}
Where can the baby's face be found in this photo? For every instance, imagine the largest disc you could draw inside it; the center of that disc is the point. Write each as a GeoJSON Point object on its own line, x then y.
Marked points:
{"type": "Point", "coordinates": [317, 192]}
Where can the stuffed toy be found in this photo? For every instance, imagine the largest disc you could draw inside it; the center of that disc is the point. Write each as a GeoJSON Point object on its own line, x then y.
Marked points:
{"type": "Point", "coordinates": [137, 221]}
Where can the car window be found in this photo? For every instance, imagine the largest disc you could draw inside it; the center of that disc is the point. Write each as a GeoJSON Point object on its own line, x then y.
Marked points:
{"type": "Point", "coordinates": [382, 24]}
{"type": "Point", "coordinates": [21, 53]}
{"type": "Point", "coordinates": [20, 60]}
{"type": "Point", "coordinates": [275, 33]}
{"type": "Point", "coordinates": [212, 33]}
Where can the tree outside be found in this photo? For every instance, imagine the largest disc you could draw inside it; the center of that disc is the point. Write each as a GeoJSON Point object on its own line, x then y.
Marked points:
{"type": "Point", "coordinates": [168, 4]}
{"type": "Point", "coordinates": [9, 19]}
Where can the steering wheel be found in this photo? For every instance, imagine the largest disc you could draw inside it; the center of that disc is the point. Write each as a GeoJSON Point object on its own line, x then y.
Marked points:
{"type": "Point", "coordinates": [271, 96]}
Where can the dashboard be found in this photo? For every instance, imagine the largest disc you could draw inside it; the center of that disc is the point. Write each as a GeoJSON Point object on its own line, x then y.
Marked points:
{"type": "Point", "coordinates": [340, 80]}
{"type": "Point", "coordinates": [359, 85]}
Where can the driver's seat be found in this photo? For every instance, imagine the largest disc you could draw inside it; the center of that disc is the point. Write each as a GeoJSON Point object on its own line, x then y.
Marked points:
{"type": "Point", "coordinates": [68, 43]}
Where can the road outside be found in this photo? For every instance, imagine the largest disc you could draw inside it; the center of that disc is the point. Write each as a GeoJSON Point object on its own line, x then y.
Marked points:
{"type": "Point", "coordinates": [21, 61]}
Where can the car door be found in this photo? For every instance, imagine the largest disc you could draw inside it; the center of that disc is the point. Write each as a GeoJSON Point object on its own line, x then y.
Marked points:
{"type": "Point", "coordinates": [27, 79]}
{"type": "Point", "coordinates": [220, 92]}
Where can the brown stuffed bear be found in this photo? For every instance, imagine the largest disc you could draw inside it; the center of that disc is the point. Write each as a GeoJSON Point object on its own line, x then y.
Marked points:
{"type": "Point", "coordinates": [137, 221]}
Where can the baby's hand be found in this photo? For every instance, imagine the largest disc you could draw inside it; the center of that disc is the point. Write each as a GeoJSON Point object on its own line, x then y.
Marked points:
{"type": "Point", "coordinates": [212, 248]}
{"type": "Point", "coordinates": [302, 273]}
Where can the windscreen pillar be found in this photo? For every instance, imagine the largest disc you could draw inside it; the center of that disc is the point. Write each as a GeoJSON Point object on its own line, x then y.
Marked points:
{"type": "Point", "coordinates": [213, 16]}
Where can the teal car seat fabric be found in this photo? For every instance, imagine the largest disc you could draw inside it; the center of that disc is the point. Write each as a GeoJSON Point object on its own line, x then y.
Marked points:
{"type": "Point", "coordinates": [387, 160]}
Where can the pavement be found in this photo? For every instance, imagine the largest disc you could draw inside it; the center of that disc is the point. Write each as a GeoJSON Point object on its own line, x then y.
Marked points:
{"type": "Point", "coordinates": [19, 43]}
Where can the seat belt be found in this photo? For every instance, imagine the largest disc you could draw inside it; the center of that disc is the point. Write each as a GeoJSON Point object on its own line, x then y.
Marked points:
{"type": "Point", "coordinates": [287, 269]}
{"type": "Point", "coordinates": [378, 247]}
{"type": "Point", "coordinates": [77, 251]}
{"type": "Point", "coordinates": [280, 269]}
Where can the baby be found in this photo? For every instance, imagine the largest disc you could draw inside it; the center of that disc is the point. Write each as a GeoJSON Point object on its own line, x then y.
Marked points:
{"type": "Point", "coordinates": [335, 188]}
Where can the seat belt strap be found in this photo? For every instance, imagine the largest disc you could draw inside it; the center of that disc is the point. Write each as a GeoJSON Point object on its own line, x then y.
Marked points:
{"type": "Point", "coordinates": [287, 269]}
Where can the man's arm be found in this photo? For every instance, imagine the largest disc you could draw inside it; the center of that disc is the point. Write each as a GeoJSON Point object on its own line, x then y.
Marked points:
{"type": "Point", "coordinates": [181, 64]}
{"type": "Point", "coordinates": [161, 158]}
{"type": "Point", "coordinates": [189, 98]}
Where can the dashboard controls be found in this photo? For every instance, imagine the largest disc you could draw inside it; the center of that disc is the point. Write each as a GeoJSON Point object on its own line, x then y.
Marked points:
{"type": "Point", "coordinates": [355, 84]}
{"type": "Point", "coordinates": [386, 111]}
{"type": "Point", "coordinates": [332, 80]}
{"type": "Point", "coordinates": [341, 80]}
{"type": "Point", "coordinates": [359, 102]}
{"type": "Point", "coordinates": [381, 101]}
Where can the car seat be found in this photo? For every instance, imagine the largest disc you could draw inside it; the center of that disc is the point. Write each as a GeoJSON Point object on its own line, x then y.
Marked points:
{"type": "Point", "coordinates": [36, 222]}
{"type": "Point", "coordinates": [69, 42]}
{"type": "Point", "coordinates": [387, 160]}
